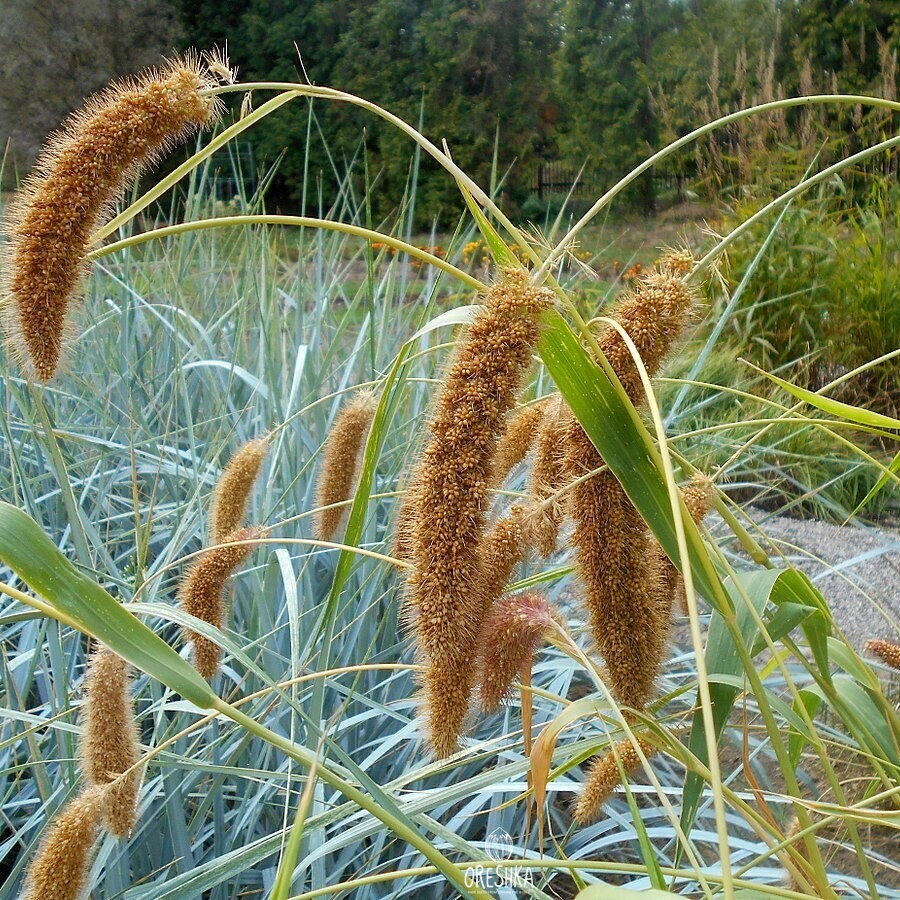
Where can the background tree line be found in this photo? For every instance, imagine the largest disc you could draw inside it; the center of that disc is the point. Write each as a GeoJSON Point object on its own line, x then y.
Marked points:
{"type": "Point", "coordinates": [510, 84]}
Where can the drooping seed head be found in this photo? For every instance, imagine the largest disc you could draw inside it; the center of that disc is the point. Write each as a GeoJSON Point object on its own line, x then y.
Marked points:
{"type": "Point", "coordinates": [446, 589]}
{"type": "Point", "coordinates": [605, 776]}
{"type": "Point", "coordinates": [109, 743]}
{"type": "Point", "coordinates": [614, 551]}
{"type": "Point", "coordinates": [62, 864]}
{"type": "Point", "coordinates": [512, 633]}
{"type": "Point", "coordinates": [77, 178]}
{"type": "Point", "coordinates": [887, 652]}
{"type": "Point", "coordinates": [503, 549]}
{"type": "Point", "coordinates": [517, 440]}
{"type": "Point", "coordinates": [546, 480]}
{"type": "Point", "coordinates": [338, 474]}
{"type": "Point", "coordinates": [232, 493]}
{"type": "Point", "coordinates": [653, 313]}
{"type": "Point", "coordinates": [201, 593]}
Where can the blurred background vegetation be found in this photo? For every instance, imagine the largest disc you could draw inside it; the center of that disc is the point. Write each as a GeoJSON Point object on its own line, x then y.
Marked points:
{"type": "Point", "coordinates": [528, 93]}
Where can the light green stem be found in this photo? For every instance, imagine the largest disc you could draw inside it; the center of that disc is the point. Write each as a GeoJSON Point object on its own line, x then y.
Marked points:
{"type": "Point", "coordinates": [560, 249]}
{"type": "Point", "coordinates": [299, 221]}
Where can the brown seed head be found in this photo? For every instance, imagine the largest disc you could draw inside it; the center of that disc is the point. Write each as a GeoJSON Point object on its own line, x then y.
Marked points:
{"type": "Point", "coordinates": [232, 494]}
{"type": "Point", "coordinates": [512, 633]}
{"type": "Point", "coordinates": [109, 743]}
{"type": "Point", "coordinates": [341, 462]}
{"type": "Point", "coordinates": [698, 495]}
{"type": "Point", "coordinates": [454, 474]}
{"type": "Point", "coordinates": [547, 478]}
{"type": "Point", "coordinates": [201, 592]}
{"type": "Point", "coordinates": [503, 549]}
{"type": "Point", "coordinates": [653, 314]}
{"type": "Point", "coordinates": [886, 651]}
{"type": "Point", "coordinates": [517, 439]}
{"type": "Point", "coordinates": [62, 864]}
{"type": "Point", "coordinates": [77, 178]}
{"type": "Point", "coordinates": [605, 776]}
{"type": "Point", "coordinates": [614, 550]}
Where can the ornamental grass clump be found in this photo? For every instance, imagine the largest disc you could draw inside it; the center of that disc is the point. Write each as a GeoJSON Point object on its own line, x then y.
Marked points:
{"type": "Point", "coordinates": [79, 175]}
{"type": "Point", "coordinates": [110, 745]}
{"type": "Point", "coordinates": [62, 864]}
{"type": "Point", "coordinates": [343, 451]}
{"type": "Point", "coordinates": [447, 599]}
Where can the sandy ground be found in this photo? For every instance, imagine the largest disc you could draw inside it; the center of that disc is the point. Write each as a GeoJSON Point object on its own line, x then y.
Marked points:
{"type": "Point", "coordinates": [856, 568]}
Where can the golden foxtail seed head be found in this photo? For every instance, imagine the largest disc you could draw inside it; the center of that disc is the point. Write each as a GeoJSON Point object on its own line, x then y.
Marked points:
{"type": "Point", "coordinates": [232, 494]}
{"type": "Point", "coordinates": [886, 651]}
{"type": "Point", "coordinates": [62, 864]}
{"type": "Point", "coordinates": [517, 439]}
{"type": "Point", "coordinates": [109, 743]}
{"type": "Point", "coordinates": [512, 633]}
{"type": "Point", "coordinates": [547, 478]}
{"type": "Point", "coordinates": [200, 593]}
{"type": "Point", "coordinates": [447, 598]}
{"type": "Point", "coordinates": [605, 776]}
{"type": "Point", "coordinates": [79, 175]}
{"type": "Point", "coordinates": [340, 466]}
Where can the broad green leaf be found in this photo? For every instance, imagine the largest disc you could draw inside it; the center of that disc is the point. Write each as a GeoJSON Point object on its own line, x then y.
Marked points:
{"type": "Point", "coordinates": [862, 715]}
{"type": "Point", "coordinates": [38, 562]}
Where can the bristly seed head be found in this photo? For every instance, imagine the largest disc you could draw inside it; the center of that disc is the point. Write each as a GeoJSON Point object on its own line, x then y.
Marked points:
{"type": "Point", "coordinates": [886, 651]}
{"type": "Point", "coordinates": [201, 592]}
{"type": "Point", "coordinates": [518, 439]}
{"type": "Point", "coordinates": [232, 494]}
{"type": "Point", "coordinates": [62, 864]}
{"type": "Point", "coordinates": [110, 744]}
{"type": "Point", "coordinates": [605, 776]}
{"type": "Point", "coordinates": [511, 634]}
{"type": "Point", "coordinates": [338, 474]}
{"type": "Point", "coordinates": [453, 477]}
{"type": "Point", "coordinates": [79, 175]}
{"type": "Point", "coordinates": [547, 478]}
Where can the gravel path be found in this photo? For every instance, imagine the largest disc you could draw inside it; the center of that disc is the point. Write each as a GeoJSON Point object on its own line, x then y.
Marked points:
{"type": "Point", "coordinates": [857, 569]}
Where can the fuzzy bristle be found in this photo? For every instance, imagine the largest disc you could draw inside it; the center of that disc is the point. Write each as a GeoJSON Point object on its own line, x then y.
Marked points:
{"type": "Point", "coordinates": [110, 744]}
{"type": "Point", "coordinates": [446, 593]}
{"type": "Point", "coordinates": [403, 546]}
{"type": "Point", "coordinates": [886, 651]}
{"type": "Point", "coordinates": [698, 495]}
{"type": "Point", "coordinates": [232, 493]}
{"type": "Point", "coordinates": [614, 549]}
{"type": "Point", "coordinates": [200, 593]}
{"type": "Point", "coordinates": [546, 479]}
{"type": "Point", "coordinates": [511, 634]}
{"type": "Point", "coordinates": [77, 178]}
{"type": "Point", "coordinates": [517, 440]}
{"type": "Point", "coordinates": [622, 594]}
{"type": "Point", "coordinates": [341, 462]}
{"type": "Point", "coordinates": [62, 864]}
{"type": "Point", "coordinates": [653, 314]}
{"type": "Point", "coordinates": [605, 776]}
{"type": "Point", "coordinates": [503, 549]}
